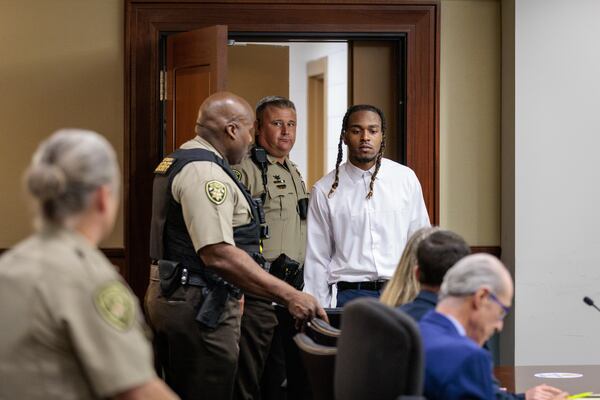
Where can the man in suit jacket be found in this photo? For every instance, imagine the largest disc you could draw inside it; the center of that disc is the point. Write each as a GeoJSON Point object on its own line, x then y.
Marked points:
{"type": "Point", "coordinates": [435, 255]}
{"type": "Point", "coordinates": [475, 296]}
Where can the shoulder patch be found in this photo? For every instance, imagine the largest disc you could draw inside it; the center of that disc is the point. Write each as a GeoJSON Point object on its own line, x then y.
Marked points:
{"type": "Point", "coordinates": [216, 192]}
{"type": "Point", "coordinates": [115, 304]}
{"type": "Point", "coordinates": [237, 173]}
{"type": "Point", "coordinates": [164, 165]}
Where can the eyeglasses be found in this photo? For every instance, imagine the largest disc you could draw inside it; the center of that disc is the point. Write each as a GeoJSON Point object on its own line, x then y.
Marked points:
{"type": "Point", "coordinates": [505, 309]}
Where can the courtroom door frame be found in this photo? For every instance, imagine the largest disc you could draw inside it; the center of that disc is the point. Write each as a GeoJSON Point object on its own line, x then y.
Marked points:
{"type": "Point", "coordinates": [146, 19]}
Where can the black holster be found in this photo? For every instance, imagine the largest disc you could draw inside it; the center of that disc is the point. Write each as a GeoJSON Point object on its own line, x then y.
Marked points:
{"type": "Point", "coordinates": [169, 273]}
{"type": "Point", "coordinates": [288, 270]}
{"type": "Point", "coordinates": [173, 275]}
{"type": "Point", "coordinates": [213, 305]}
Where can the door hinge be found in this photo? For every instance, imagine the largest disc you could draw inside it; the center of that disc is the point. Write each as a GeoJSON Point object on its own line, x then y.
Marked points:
{"type": "Point", "coordinates": [163, 86]}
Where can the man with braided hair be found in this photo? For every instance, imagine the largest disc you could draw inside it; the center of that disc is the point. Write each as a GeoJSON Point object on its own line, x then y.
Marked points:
{"type": "Point", "coordinates": [360, 215]}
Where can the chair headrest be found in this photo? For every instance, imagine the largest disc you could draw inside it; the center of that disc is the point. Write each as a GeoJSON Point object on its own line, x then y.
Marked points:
{"type": "Point", "coordinates": [306, 344]}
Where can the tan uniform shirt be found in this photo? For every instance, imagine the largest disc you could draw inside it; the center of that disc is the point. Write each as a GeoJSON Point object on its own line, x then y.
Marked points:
{"type": "Point", "coordinates": [287, 232]}
{"type": "Point", "coordinates": [70, 327]}
{"type": "Point", "coordinates": [210, 200]}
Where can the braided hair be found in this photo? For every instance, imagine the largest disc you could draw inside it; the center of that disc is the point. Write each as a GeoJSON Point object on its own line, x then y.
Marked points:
{"type": "Point", "coordinates": [352, 110]}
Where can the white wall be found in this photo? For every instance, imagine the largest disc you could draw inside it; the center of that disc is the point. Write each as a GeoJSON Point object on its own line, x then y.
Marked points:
{"type": "Point", "coordinates": [557, 199]}
{"type": "Point", "coordinates": [337, 95]}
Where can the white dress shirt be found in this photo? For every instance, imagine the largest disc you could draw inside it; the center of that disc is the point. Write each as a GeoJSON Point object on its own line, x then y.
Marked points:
{"type": "Point", "coordinates": [353, 239]}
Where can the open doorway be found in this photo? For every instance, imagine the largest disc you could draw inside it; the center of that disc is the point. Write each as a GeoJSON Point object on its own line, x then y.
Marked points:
{"type": "Point", "coordinates": [414, 26]}
{"type": "Point", "coordinates": [292, 69]}
{"type": "Point", "coordinates": [322, 78]}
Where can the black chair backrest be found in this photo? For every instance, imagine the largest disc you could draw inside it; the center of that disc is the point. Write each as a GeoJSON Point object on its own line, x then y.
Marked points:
{"type": "Point", "coordinates": [319, 361]}
{"type": "Point", "coordinates": [335, 317]}
{"type": "Point", "coordinates": [321, 332]}
{"type": "Point", "coordinates": [380, 354]}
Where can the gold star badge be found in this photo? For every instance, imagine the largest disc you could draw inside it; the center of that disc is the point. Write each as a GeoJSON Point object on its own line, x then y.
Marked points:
{"type": "Point", "coordinates": [164, 165]}
{"type": "Point", "coordinates": [216, 192]}
{"type": "Point", "coordinates": [115, 305]}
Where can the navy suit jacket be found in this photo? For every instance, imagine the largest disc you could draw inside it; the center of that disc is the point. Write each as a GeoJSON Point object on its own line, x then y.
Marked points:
{"type": "Point", "coordinates": [456, 368]}
{"type": "Point", "coordinates": [421, 305]}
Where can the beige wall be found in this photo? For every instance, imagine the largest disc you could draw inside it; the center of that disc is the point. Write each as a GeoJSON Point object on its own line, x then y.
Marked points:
{"type": "Point", "coordinates": [255, 71]}
{"type": "Point", "coordinates": [62, 65]}
{"type": "Point", "coordinates": [470, 119]}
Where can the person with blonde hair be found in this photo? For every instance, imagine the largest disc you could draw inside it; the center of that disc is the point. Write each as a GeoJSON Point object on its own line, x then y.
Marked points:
{"type": "Point", "coordinates": [71, 327]}
{"type": "Point", "coordinates": [404, 286]}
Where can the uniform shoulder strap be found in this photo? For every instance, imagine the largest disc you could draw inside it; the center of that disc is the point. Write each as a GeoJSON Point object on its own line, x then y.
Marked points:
{"type": "Point", "coordinates": [164, 175]}
{"type": "Point", "coordinates": [259, 157]}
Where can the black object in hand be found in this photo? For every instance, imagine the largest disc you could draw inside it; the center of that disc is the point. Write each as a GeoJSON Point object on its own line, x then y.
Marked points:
{"type": "Point", "coordinates": [288, 270]}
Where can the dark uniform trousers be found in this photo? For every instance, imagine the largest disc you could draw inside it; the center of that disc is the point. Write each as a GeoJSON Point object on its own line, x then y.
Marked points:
{"type": "Point", "coordinates": [198, 363]}
{"type": "Point", "coordinates": [285, 363]}
{"type": "Point", "coordinates": [258, 324]}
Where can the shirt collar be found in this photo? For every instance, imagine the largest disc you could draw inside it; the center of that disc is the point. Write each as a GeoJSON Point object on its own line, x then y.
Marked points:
{"type": "Point", "coordinates": [273, 160]}
{"type": "Point", "coordinates": [356, 173]}
{"type": "Point", "coordinates": [428, 296]}
{"type": "Point", "coordinates": [66, 234]}
{"type": "Point", "coordinates": [459, 328]}
{"type": "Point", "coordinates": [209, 146]}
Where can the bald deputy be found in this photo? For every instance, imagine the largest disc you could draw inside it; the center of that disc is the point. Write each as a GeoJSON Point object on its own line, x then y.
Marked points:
{"type": "Point", "coordinates": [204, 239]}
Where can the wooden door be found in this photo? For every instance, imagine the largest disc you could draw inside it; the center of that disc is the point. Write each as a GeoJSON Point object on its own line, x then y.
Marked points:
{"type": "Point", "coordinates": [196, 68]}
{"type": "Point", "coordinates": [377, 83]}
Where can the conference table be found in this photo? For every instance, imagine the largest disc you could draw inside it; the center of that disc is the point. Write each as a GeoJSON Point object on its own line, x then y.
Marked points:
{"type": "Point", "coordinates": [571, 378]}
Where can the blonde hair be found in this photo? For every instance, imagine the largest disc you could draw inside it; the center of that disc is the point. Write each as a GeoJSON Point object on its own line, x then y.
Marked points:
{"type": "Point", "coordinates": [66, 170]}
{"type": "Point", "coordinates": [404, 286]}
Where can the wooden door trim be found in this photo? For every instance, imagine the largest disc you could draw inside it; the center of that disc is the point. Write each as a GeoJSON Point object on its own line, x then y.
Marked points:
{"type": "Point", "coordinates": [418, 20]}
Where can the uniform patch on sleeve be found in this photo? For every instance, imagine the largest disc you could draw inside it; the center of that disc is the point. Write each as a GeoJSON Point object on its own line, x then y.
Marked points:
{"type": "Point", "coordinates": [164, 165]}
{"type": "Point", "coordinates": [238, 174]}
{"type": "Point", "coordinates": [115, 305]}
{"type": "Point", "coordinates": [216, 192]}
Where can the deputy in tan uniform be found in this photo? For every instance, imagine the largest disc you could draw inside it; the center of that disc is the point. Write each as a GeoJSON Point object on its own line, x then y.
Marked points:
{"type": "Point", "coordinates": [271, 176]}
{"type": "Point", "coordinates": [71, 328]}
{"type": "Point", "coordinates": [204, 240]}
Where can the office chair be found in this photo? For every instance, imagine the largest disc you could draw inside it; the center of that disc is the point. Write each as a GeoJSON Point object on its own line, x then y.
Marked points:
{"type": "Point", "coordinates": [335, 316]}
{"type": "Point", "coordinates": [380, 355]}
{"type": "Point", "coordinates": [321, 332]}
{"type": "Point", "coordinates": [319, 361]}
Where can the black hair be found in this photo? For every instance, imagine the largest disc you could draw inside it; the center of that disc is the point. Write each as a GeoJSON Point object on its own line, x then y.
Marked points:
{"type": "Point", "coordinates": [437, 253]}
{"type": "Point", "coordinates": [349, 112]}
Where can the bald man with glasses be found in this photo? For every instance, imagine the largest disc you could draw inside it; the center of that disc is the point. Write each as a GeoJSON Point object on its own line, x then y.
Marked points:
{"type": "Point", "coordinates": [475, 297]}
